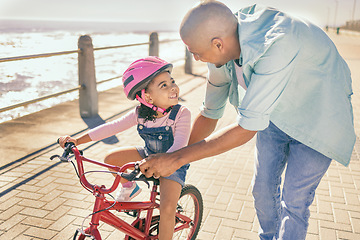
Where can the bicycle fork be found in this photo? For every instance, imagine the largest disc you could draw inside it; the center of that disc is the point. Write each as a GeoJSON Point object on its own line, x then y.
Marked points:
{"type": "Point", "coordinates": [95, 218]}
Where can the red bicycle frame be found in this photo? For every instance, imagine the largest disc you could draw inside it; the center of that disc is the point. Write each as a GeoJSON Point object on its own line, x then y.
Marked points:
{"type": "Point", "coordinates": [101, 202]}
{"type": "Point", "coordinates": [145, 228]}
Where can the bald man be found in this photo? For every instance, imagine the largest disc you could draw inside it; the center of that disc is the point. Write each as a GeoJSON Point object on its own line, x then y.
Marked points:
{"type": "Point", "coordinates": [290, 86]}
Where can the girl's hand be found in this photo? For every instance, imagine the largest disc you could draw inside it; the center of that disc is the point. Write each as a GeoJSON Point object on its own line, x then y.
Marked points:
{"type": "Point", "coordinates": [65, 139]}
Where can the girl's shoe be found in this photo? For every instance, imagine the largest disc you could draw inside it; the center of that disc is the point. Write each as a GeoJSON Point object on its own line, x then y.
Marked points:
{"type": "Point", "coordinates": [128, 193]}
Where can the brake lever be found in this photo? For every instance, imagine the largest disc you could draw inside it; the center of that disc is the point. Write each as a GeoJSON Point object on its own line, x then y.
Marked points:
{"type": "Point", "coordinates": [63, 159]}
{"type": "Point", "coordinates": [143, 178]}
{"type": "Point", "coordinates": [67, 151]}
{"type": "Point", "coordinates": [132, 175]}
{"type": "Point", "coordinates": [54, 156]}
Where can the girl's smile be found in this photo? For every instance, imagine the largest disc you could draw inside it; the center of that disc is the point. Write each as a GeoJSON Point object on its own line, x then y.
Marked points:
{"type": "Point", "coordinates": [162, 91]}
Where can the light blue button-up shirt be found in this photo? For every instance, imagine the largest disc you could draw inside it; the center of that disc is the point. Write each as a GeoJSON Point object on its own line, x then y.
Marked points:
{"type": "Point", "coordinates": [295, 78]}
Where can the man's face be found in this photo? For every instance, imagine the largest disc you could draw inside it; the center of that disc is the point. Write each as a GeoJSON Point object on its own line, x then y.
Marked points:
{"type": "Point", "coordinates": [209, 54]}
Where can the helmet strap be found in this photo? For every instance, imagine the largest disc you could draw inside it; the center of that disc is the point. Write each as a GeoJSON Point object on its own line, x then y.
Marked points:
{"type": "Point", "coordinates": [153, 107]}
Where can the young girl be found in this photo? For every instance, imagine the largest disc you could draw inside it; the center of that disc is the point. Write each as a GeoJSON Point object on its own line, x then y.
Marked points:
{"type": "Point", "coordinates": [161, 122]}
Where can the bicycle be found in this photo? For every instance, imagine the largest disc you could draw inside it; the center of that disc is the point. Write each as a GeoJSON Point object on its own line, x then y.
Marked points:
{"type": "Point", "coordinates": [188, 212]}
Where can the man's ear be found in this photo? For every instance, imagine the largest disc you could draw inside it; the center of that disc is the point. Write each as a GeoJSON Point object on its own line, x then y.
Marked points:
{"type": "Point", "coordinates": [218, 43]}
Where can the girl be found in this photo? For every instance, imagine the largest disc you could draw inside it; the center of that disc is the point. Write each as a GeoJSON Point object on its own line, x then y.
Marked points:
{"type": "Point", "coordinates": [161, 122]}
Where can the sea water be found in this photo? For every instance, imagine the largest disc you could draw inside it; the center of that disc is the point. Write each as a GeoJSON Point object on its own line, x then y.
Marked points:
{"type": "Point", "coordinates": [29, 79]}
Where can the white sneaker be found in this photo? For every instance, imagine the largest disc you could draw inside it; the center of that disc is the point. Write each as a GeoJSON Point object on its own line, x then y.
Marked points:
{"type": "Point", "coordinates": [126, 194]}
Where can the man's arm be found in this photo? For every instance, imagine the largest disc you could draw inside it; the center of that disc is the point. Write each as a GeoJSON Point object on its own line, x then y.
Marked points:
{"type": "Point", "coordinates": [227, 138]}
{"type": "Point", "coordinates": [202, 128]}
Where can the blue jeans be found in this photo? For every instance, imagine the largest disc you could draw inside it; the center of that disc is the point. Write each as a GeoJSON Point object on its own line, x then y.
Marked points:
{"type": "Point", "coordinates": [285, 215]}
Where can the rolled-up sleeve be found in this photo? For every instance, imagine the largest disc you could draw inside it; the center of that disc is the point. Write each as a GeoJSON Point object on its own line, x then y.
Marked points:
{"type": "Point", "coordinates": [269, 78]}
{"type": "Point", "coordinates": [217, 92]}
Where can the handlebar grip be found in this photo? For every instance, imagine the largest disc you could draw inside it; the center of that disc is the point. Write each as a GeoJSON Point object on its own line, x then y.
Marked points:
{"type": "Point", "coordinates": [66, 144]}
{"type": "Point", "coordinates": [69, 144]}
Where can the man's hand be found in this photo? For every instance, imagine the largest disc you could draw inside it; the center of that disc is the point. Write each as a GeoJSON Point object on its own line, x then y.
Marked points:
{"type": "Point", "coordinates": [164, 164]}
{"type": "Point", "coordinates": [161, 164]}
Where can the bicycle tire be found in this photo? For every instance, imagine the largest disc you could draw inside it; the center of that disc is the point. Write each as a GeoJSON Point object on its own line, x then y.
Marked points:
{"type": "Point", "coordinates": [190, 204]}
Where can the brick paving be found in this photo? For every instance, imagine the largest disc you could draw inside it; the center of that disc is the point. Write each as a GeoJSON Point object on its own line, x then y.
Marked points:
{"type": "Point", "coordinates": [42, 199]}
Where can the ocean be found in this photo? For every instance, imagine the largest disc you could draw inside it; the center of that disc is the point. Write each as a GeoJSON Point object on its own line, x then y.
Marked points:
{"type": "Point", "coordinates": [29, 79]}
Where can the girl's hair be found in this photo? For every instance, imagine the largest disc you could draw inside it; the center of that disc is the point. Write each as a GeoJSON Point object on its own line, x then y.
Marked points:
{"type": "Point", "coordinates": [147, 113]}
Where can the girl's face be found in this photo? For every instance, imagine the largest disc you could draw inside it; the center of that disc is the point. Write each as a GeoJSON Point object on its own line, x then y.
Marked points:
{"type": "Point", "coordinates": [162, 91]}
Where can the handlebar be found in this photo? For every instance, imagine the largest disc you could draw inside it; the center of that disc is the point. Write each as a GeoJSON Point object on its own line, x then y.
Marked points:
{"type": "Point", "coordinates": [132, 176]}
{"type": "Point", "coordinates": [66, 153]}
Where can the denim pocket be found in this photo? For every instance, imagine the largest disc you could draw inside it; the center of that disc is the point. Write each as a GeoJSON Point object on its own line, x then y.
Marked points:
{"type": "Point", "coordinates": [158, 142]}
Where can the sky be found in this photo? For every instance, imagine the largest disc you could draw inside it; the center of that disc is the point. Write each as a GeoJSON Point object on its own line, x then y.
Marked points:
{"type": "Point", "coordinates": [320, 12]}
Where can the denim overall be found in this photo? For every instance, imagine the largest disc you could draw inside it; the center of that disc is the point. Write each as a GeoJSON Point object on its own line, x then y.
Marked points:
{"type": "Point", "coordinates": [159, 140]}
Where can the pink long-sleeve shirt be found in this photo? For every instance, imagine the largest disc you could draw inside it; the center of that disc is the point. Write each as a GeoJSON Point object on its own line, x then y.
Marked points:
{"type": "Point", "coordinates": [180, 126]}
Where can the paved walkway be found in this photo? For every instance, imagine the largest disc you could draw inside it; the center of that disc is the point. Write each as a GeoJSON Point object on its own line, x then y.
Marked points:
{"type": "Point", "coordinates": [41, 199]}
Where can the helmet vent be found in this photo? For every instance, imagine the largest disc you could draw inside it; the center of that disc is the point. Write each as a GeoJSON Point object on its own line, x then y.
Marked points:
{"type": "Point", "coordinates": [150, 61]}
{"type": "Point", "coordinates": [128, 80]}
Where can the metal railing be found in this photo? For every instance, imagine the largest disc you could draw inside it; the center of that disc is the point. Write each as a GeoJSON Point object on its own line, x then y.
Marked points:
{"type": "Point", "coordinates": [87, 81]}
{"type": "Point", "coordinates": [42, 55]}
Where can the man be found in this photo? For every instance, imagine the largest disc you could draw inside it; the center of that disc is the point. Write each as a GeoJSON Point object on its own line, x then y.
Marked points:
{"type": "Point", "coordinates": [290, 86]}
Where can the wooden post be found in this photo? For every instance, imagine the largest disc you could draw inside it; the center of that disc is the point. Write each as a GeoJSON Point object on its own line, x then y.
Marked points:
{"type": "Point", "coordinates": [188, 61]}
{"type": "Point", "coordinates": [88, 95]}
{"type": "Point", "coordinates": [154, 44]}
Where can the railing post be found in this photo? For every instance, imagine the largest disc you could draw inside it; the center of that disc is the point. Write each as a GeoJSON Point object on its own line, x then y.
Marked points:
{"type": "Point", "coordinates": [188, 61]}
{"type": "Point", "coordinates": [88, 95]}
{"type": "Point", "coordinates": [154, 44]}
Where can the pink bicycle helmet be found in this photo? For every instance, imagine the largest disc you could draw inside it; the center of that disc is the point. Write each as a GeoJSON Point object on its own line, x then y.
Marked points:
{"type": "Point", "coordinates": [139, 74]}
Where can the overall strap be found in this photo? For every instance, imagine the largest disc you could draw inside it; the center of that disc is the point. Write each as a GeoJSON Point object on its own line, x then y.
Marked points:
{"type": "Point", "coordinates": [174, 112]}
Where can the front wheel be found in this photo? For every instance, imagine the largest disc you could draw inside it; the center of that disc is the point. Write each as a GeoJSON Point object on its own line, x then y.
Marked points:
{"type": "Point", "coordinates": [189, 213]}
{"type": "Point", "coordinates": [188, 217]}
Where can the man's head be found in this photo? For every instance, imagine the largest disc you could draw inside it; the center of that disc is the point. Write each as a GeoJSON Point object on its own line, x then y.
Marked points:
{"type": "Point", "coordinates": [209, 30]}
